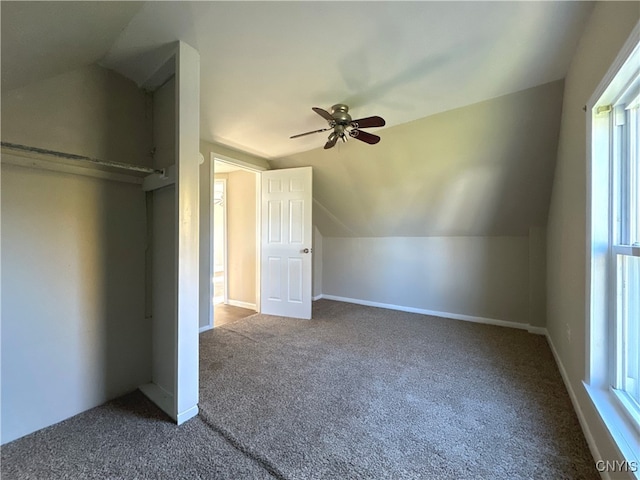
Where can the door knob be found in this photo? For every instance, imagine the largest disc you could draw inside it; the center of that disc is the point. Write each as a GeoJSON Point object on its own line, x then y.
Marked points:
{"type": "Point", "coordinates": [306, 250]}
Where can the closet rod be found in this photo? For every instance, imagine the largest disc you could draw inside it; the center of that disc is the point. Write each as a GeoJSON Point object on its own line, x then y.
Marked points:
{"type": "Point", "coordinates": [71, 156]}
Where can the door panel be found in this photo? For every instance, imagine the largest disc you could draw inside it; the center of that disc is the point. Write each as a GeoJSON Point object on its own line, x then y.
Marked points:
{"type": "Point", "coordinates": [286, 242]}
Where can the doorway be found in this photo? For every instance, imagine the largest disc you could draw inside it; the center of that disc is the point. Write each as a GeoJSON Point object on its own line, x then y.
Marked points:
{"type": "Point", "coordinates": [235, 241]}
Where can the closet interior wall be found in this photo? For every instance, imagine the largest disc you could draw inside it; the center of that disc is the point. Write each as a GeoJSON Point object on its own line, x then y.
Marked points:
{"type": "Point", "coordinates": [161, 247]}
{"type": "Point", "coordinates": [74, 329]}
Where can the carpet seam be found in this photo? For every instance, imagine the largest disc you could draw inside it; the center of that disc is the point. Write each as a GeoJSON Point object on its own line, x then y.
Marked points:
{"type": "Point", "coordinates": [273, 470]}
{"type": "Point", "coordinates": [241, 334]}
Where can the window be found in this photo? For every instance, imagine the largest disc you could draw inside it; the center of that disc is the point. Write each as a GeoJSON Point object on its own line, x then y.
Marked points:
{"type": "Point", "coordinates": [625, 249]}
{"type": "Point", "coordinates": [613, 367]}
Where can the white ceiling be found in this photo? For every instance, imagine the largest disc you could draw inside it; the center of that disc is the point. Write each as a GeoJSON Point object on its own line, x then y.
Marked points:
{"type": "Point", "coordinates": [265, 64]}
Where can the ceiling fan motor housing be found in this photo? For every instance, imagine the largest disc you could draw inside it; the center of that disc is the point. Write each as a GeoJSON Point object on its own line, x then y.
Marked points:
{"type": "Point", "coordinates": [340, 114]}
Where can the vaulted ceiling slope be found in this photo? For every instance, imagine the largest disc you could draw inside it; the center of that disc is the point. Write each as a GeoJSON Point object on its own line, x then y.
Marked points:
{"type": "Point", "coordinates": [265, 64]}
{"type": "Point", "coordinates": [481, 170]}
{"type": "Point", "coordinates": [44, 39]}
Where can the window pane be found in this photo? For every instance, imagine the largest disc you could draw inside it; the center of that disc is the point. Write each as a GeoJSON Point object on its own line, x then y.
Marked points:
{"type": "Point", "coordinates": [629, 318]}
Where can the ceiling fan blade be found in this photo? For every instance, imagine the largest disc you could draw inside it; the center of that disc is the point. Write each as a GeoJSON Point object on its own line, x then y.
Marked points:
{"type": "Point", "coordinates": [333, 138]}
{"type": "Point", "coordinates": [323, 113]}
{"type": "Point", "coordinates": [309, 133]}
{"type": "Point", "coordinates": [368, 122]}
{"type": "Point", "coordinates": [365, 137]}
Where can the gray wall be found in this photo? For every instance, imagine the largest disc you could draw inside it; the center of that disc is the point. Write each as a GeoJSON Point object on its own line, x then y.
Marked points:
{"type": "Point", "coordinates": [475, 276]}
{"type": "Point", "coordinates": [607, 30]}
{"type": "Point", "coordinates": [91, 111]}
{"type": "Point", "coordinates": [74, 332]}
{"type": "Point", "coordinates": [482, 170]}
{"type": "Point", "coordinates": [446, 213]}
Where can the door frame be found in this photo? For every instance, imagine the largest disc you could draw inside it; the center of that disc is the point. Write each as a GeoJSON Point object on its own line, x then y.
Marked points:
{"type": "Point", "coordinates": [225, 266]}
{"type": "Point", "coordinates": [213, 157]}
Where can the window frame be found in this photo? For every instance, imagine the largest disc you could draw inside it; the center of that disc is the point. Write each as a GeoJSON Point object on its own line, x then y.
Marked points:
{"type": "Point", "coordinates": [621, 244]}
{"type": "Point", "coordinates": [602, 252]}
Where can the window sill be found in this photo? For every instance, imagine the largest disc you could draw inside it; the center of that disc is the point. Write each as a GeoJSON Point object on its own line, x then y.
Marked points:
{"type": "Point", "coordinates": [619, 425]}
{"type": "Point", "coordinates": [630, 409]}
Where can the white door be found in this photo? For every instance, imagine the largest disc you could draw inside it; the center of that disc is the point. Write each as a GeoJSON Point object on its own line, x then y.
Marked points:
{"type": "Point", "coordinates": [286, 243]}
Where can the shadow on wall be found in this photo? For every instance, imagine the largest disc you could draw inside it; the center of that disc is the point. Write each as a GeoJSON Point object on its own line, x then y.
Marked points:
{"type": "Point", "coordinates": [123, 231]}
{"type": "Point", "coordinates": [121, 235]}
{"type": "Point", "coordinates": [74, 332]}
{"type": "Point", "coordinates": [482, 170]}
{"type": "Point", "coordinates": [486, 169]}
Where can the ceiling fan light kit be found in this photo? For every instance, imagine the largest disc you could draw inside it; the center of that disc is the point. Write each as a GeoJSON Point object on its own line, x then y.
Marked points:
{"type": "Point", "coordinates": [343, 125]}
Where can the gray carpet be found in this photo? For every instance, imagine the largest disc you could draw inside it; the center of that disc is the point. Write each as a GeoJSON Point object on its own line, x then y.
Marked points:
{"type": "Point", "coordinates": [356, 393]}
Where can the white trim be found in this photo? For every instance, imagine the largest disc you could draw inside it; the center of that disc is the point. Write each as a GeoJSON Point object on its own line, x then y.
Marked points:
{"type": "Point", "coordinates": [629, 250]}
{"type": "Point", "coordinates": [537, 330]}
{"type": "Point", "coordinates": [589, 253]}
{"type": "Point", "coordinates": [317, 297]}
{"type": "Point", "coordinates": [238, 163]}
{"type": "Point", "coordinates": [597, 257]}
{"type": "Point", "coordinates": [625, 52]}
{"type": "Point", "coordinates": [600, 296]}
{"type": "Point", "coordinates": [187, 415]}
{"type": "Point", "coordinates": [576, 406]}
{"type": "Point", "coordinates": [187, 225]}
{"type": "Point", "coordinates": [434, 313]}
{"type": "Point", "coordinates": [258, 306]}
{"type": "Point", "coordinates": [238, 303]}
{"type": "Point", "coordinates": [629, 410]}
{"type": "Point", "coordinates": [624, 436]}
{"type": "Point", "coordinates": [205, 328]}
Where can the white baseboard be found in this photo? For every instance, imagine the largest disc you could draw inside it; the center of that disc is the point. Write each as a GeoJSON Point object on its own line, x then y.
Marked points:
{"type": "Point", "coordinates": [576, 406]}
{"type": "Point", "coordinates": [238, 303]}
{"type": "Point", "coordinates": [187, 414]}
{"type": "Point", "coordinates": [317, 297]}
{"type": "Point", "coordinates": [454, 316]}
{"type": "Point", "coordinates": [205, 328]}
{"type": "Point", "coordinates": [537, 330]}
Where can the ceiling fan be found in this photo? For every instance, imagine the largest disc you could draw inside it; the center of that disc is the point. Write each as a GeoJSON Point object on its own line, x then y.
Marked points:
{"type": "Point", "coordinates": [342, 125]}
